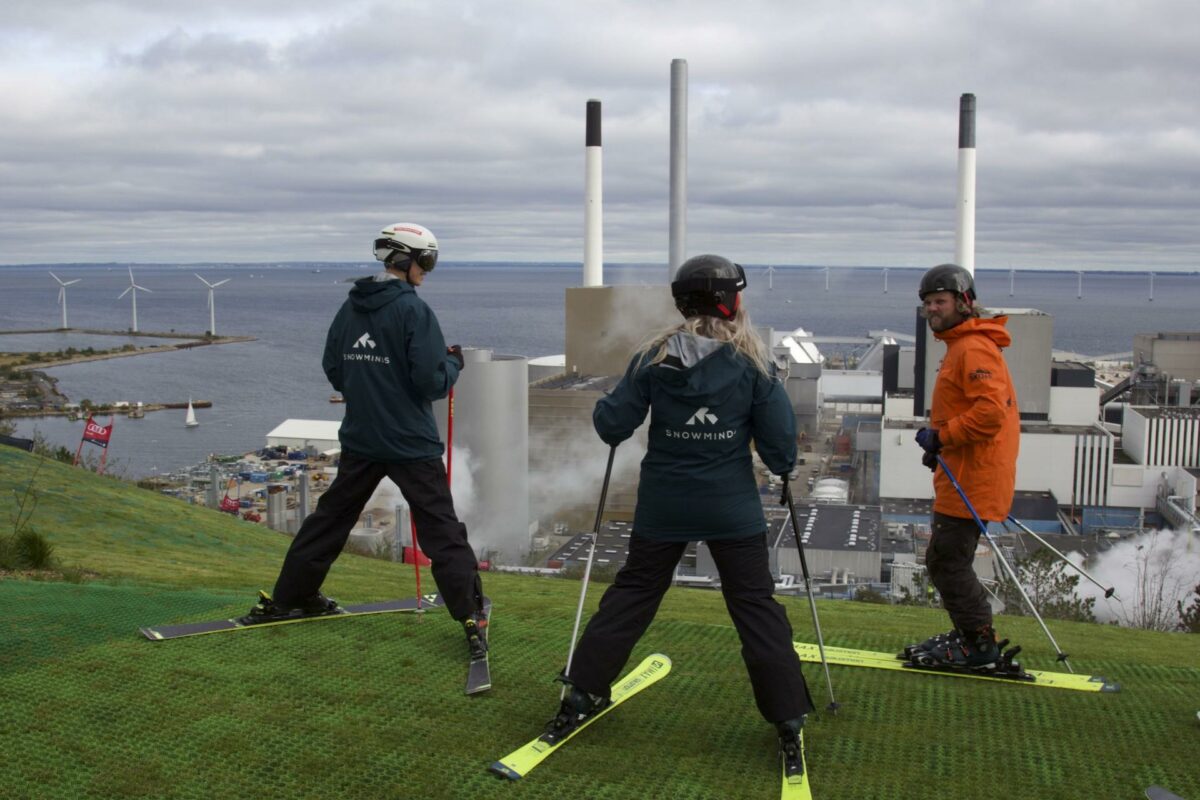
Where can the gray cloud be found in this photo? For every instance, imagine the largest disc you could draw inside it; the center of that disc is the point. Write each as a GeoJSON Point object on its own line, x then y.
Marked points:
{"type": "Point", "coordinates": [821, 133]}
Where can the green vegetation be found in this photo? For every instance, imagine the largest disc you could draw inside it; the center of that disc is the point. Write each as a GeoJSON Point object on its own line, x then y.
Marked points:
{"type": "Point", "coordinates": [373, 707]}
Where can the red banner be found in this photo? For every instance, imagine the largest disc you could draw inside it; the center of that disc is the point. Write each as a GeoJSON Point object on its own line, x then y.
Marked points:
{"type": "Point", "coordinates": [96, 433]}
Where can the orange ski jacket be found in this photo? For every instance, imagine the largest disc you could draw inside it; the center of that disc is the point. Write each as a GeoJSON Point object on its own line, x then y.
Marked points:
{"type": "Point", "coordinates": [975, 414]}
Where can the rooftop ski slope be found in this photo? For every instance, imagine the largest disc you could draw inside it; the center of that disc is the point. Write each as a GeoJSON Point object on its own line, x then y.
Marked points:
{"type": "Point", "coordinates": [372, 707]}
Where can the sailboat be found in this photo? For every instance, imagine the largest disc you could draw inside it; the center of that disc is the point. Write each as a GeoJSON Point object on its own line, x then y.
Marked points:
{"type": "Point", "coordinates": [191, 421]}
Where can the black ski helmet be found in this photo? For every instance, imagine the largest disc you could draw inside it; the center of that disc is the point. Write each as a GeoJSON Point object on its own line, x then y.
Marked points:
{"type": "Point", "coordinates": [948, 278]}
{"type": "Point", "coordinates": [708, 285]}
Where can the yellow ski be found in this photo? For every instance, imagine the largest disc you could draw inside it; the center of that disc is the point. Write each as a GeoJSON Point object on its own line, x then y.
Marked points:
{"type": "Point", "coordinates": [518, 763]}
{"type": "Point", "coordinates": [867, 658]}
{"type": "Point", "coordinates": [797, 788]}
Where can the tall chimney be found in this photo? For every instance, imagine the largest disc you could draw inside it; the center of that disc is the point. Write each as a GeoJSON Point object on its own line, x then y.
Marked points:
{"type": "Point", "coordinates": [678, 216]}
{"type": "Point", "coordinates": [593, 201]}
{"type": "Point", "coordinates": [964, 240]}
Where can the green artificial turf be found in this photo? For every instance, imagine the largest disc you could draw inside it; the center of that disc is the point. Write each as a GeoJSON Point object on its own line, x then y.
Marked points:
{"type": "Point", "coordinates": [372, 707]}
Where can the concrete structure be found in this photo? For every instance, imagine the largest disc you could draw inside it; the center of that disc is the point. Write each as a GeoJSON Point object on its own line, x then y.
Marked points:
{"type": "Point", "coordinates": [1175, 354]}
{"type": "Point", "coordinates": [804, 370]}
{"type": "Point", "coordinates": [1162, 435]}
{"type": "Point", "coordinates": [612, 549]}
{"type": "Point", "coordinates": [490, 463]}
{"type": "Point", "coordinates": [605, 325]}
{"type": "Point", "coordinates": [840, 541]}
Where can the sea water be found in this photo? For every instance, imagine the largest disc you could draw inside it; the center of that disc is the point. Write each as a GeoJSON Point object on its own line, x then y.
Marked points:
{"type": "Point", "coordinates": [511, 308]}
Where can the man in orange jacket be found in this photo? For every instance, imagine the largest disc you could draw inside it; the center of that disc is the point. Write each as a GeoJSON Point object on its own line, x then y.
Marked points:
{"type": "Point", "coordinates": [975, 427]}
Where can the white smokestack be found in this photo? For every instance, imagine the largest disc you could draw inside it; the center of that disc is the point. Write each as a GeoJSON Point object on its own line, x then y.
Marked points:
{"type": "Point", "coordinates": [964, 246]}
{"type": "Point", "coordinates": [678, 215]}
{"type": "Point", "coordinates": [593, 201]}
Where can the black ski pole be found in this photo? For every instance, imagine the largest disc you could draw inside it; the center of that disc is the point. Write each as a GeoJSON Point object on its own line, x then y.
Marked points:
{"type": "Point", "coordinates": [812, 603]}
{"type": "Point", "coordinates": [1109, 591]}
{"type": "Point", "coordinates": [587, 570]}
{"type": "Point", "coordinates": [1003, 561]}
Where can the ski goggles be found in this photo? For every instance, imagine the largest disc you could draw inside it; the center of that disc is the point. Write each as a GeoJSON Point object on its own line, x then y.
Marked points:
{"type": "Point", "coordinates": [425, 259]}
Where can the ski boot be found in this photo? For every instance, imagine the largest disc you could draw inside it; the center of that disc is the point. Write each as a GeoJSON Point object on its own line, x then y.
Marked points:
{"type": "Point", "coordinates": [937, 640]}
{"type": "Point", "coordinates": [790, 750]}
{"type": "Point", "coordinates": [475, 626]}
{"type": "Point", "coordinates": [267, 610]}
{"type": "Point", "coordinates": [975, 652]}
{"type": "Point", "coordinates": [576, 708]}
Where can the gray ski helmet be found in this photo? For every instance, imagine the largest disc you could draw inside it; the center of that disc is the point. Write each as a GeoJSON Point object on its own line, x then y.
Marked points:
{"type": "Point", "coordinates": [948, 278]}
{"type": "Point", "coordinates": [708, 285]}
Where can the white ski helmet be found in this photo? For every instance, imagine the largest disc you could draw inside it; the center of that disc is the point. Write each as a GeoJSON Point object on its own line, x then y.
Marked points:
{"type": "Point", "coordinates": [415, 242]}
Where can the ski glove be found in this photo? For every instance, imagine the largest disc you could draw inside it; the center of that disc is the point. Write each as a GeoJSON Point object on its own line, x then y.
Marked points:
{"type": "Point", "coordinates": [928, 439]}
{"type": "Point", "coordinates": [455, 352]}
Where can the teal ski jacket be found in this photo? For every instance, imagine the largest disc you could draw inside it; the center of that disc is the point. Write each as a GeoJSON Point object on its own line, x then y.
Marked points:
{"type": "Point", "coordinates": [385, 353]}
{"type": "Point", "coordinates": [706, 404]}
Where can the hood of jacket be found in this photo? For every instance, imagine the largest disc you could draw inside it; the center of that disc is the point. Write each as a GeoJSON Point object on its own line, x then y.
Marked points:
{"type": "Point", "coordinates": [371, 294]}
{"type": "Point", "coordinates": [992, 327]}
{"type": "Point", "coordinates": [698, 367]}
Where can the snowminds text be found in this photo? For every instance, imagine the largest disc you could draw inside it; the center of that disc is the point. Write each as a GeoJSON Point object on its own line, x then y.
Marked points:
{"type": "Point", "coordinates": [366, 357]}
{"type": "Point", "coordinates": [704, 436]}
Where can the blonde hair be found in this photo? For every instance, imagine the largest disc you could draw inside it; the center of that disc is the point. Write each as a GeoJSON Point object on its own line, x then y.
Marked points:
{"type": "Point", "coordinates": [738, 331]}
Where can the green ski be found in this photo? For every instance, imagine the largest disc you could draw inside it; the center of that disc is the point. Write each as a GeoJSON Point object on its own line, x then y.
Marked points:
{"type": "Point", "coordinates": [164, 632]}
{"type": "Point", "coordinates": [518, 763]}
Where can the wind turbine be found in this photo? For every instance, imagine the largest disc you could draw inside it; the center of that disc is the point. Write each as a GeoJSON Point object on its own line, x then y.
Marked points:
{"type": "Point", "coordinates": [770, 276]}
{"type": "Point", "coordinates": [1151, 291]}
{"type": "Point", "coordinates": [885, 271]}
{"type": "Point", "coordinates": [1079, 290]}
{"type": "Point", "coordinates": [827, 279]}
{"type": "Point", "coordinates": [62, 294]}
{"type": "Point", "coordinates": [132, 291]}
{"type": "Point", "coordinates": [1012, 277]}
{"type": "Point", "coordinates": [212, 307]}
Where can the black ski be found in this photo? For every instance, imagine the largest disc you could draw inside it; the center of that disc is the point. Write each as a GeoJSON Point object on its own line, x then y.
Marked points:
{"type": "Point", "coordinates": [1159, 793]}
{"type": "Point", "coordinates": [479, 673]}
{"type": "Point", "coordinates": [164, 632]}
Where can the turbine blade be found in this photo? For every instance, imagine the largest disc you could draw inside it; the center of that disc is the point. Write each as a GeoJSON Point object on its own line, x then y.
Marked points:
{"type": "Point", "coordinates": [127, 291]}
{"type": "Point", "coordinates": [206, 283]}
{"type": "Point", "coordinates": [68, 283]}
{"type": "Point", "coordinates": [218, 283]}
{"type": "Point", "coordinates": [52, 275]}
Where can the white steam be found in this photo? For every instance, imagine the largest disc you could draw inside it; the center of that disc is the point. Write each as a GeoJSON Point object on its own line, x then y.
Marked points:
{"type": "Point", "coordinates": [1151, 573]}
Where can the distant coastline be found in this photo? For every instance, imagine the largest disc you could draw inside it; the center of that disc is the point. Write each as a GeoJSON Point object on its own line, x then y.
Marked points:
{"type": "Point", "coordinates": [26, 391]}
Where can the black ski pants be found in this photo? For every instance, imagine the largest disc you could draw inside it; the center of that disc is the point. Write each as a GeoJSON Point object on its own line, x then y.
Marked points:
{"type": "Point", "coordinates": [629, 605]}
{"type": "Point", "coordinates": [950, 560]}
{"type": "Point", "coordinates": [442, 537]}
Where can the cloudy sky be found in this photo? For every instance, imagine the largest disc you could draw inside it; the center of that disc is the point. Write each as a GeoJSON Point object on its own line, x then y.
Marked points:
{"type": "Point", "coordinates": [820, 132]}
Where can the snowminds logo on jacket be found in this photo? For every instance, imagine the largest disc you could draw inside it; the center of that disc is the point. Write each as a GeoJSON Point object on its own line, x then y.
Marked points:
{"type": "Point", "coordinates": [365, 341]}
{"type": "Point", "coordinates": [702, 417]}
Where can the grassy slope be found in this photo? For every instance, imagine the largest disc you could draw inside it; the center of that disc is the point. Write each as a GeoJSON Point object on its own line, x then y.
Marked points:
{"type": "Point", "coordinates": [372, 707]}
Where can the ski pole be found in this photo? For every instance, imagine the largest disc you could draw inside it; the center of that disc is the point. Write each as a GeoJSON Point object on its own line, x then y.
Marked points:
{"type": "Point", "coordinates": [1109, 591]}
{"type": "Point", "coordinates": [587, 570]}
{"type": "Point", "coordinates": [812, 603]}
{"type": "Point", "coordinates": [1003, 561]}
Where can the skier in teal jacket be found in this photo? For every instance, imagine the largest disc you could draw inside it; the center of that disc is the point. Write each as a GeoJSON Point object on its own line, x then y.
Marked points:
{"type": "Point", "coordinates": [385, 353]}
{"type": "Point", "coordinates": [710, 390]}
